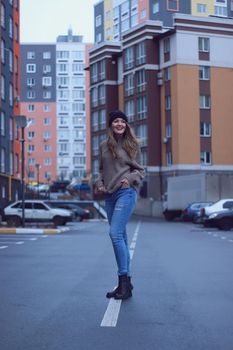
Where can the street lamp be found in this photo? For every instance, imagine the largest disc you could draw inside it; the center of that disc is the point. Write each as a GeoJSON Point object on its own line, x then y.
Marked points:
{"type": "Point", "coordinates": [21, 122]}
{"type": "Point", "coordinates": [38, 179]}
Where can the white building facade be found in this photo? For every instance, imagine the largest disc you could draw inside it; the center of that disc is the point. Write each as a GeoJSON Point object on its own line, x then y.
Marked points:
{"type": "Point", "coordinates": [71, 111]}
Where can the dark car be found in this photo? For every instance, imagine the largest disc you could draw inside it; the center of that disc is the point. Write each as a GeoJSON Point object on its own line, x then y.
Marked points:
{"type": "Point", "coordinates": [79, 213]}
{"type": "Point", "coordinates": [223, 220]}
{"type": "Point", "coordinates": [193, 210]}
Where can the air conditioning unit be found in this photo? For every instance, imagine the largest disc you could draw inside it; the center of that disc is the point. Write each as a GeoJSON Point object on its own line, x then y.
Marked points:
{"type": "Point", "coordinates": [159, 82]}
{"type": "Point", "coordinates": [160, 75]}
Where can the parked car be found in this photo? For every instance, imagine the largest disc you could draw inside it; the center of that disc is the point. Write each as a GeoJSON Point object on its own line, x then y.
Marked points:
{"type": "Point", "coordinates": [36, 211]}
{"type": "Point", "coordinates": [95, 209]}
{"type": "Point", "coordinates": [79, 213]}
{"type": "Point", "coordinates": [221, 205]}
{"type": "Point", "coordinates": [222, 220]}
{"type": "Point", "coordinates": [192, 211]}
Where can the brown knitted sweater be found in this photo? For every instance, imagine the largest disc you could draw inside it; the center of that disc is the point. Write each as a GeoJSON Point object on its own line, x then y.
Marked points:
{"type": "Point", "coordinates": [112, 171]}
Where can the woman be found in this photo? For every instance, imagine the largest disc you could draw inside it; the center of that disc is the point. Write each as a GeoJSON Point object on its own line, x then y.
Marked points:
{"type": "Point", "coordinates": [119, 179]}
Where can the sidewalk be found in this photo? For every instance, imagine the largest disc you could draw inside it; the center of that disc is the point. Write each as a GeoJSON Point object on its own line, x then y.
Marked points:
{"type": "Point", "coordinates": [32, 230]}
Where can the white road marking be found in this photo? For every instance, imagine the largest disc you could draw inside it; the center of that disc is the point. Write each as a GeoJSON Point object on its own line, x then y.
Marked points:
{"type": "Point", "coordinates": [19, 243]}
{"type": "Point", "coordinates": [230, 240]}
{"type": "Point", "coordinates": [44, 236]}
{"type": "Point", "coordinates": [133, 245]}
{"type": "Point", "coordinates": [131, 252]}
{"type": "Point", "coordinates": [209, 233]}
{"type": "Point", "coordinates": [111, 314]}
{"type": "Point", "coordinates": [5, 242]}
{"type": "Point", "coordinates": [4, 246]}
{"type": "Point", "coordinates": [33, 239]}
{"type": "Point", "coordinates": [223, 237]}
{"type": "Point", "coordinates": [215, 235]}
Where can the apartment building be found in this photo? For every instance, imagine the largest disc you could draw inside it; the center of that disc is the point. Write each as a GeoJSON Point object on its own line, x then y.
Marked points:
{"type": "Point", "coordinates": [38, 104]}
{"type": "Point", "coordinates": [114, 17]}
{"type": "Point", "coordinates": [175, 85]}
{"type": "Point", "coordinates": [73, 157]}
{"type": "Point", "coordinates": [9, 102]}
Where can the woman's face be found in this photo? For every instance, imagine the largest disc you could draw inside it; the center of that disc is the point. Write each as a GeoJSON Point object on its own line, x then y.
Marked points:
{"type": "Point", "coordinates": [118, 126]}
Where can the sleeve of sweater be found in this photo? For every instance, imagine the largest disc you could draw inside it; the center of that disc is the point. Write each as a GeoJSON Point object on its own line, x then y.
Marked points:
{"type": "Point", "coordinates": [99, 182]}
{"type": "Point", "coordinates": [137, 171]}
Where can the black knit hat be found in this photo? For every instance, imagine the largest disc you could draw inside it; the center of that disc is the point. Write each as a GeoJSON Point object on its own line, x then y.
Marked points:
{"type": "Point", "coordinates": [116, 114]}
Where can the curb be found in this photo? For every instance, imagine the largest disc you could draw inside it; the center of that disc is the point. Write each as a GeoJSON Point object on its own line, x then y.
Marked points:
{"type": "Point", "coordinates": [32, 231]}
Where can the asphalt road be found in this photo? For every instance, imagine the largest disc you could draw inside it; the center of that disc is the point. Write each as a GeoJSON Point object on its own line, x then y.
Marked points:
{"type": "Point", "coordinates": [52, 290]}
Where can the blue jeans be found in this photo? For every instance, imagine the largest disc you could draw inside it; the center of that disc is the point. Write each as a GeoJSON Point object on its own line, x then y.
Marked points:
{"type": "Point", "coordinates": [119, 207]}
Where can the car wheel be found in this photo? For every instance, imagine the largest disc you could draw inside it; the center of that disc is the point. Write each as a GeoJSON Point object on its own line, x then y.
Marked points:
{"type": "Point", "coordinates": [58, 221]}
{"type": "Point", "coordinates": [225, 224]}
{"type": "Point", "coordinates": [14, 221]}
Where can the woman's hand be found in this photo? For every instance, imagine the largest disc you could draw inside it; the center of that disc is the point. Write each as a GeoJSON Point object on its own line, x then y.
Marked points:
{"type": "Point", "coordinates": [124, 183]}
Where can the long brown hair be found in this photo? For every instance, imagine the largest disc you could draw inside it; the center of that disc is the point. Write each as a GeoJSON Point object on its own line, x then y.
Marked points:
{"type": "Point", "coordinates": [129, 142]}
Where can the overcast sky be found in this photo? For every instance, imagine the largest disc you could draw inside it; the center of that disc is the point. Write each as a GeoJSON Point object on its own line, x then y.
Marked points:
{"type": "Point", "coordinates": [44, 20]}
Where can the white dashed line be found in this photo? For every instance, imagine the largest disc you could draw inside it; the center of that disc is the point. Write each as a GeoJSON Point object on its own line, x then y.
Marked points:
{"type": "Point", "coordinates": [111, 314]}
{"type": "Point", "coordinates": [223, 237]}
{"type": "Point", "coordinates": [4, 247]}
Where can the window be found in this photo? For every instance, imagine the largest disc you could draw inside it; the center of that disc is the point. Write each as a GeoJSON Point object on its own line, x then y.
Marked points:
{"type": "Point", "coordinates": [125, 25]}
{"type": "Point", "coordinates": [220, 11]}
{"type": "Point", "coordinates": [46, 135]}
{"type": "Point", "coordinates": [31, 94]}
{"type": "Point", "coordinates": [63, 94]}
{"type": "Point", "coordinates": [108, 33]}
{"type": "Point", "coordinates": [169, 158]}
{"type": "Point", "coordinates": [155, 6]}
{"type": "Point", "coordinates": [2, 51]}
{"type": "Point", "coordinates": [62, 68]}
{"type": "Point", "coordinates": [99, 37]}
{"type": "Point", "coordinates": [142, 107]}
{"type": "Point", "coordinates": [16, 32]}
{"type": "Point", "coordinates": [204, 44]}
{"type": "Point", "coordinates": [3, 124]}
{"type": "Point", "coordinates": [31, 108]}
{"type": "Point", "coordinates": [204, 101]}
{"type": "Point", "coordinates": [47, 161]}
{"type": "Point", "coordinates": [168, 130]}
{"type": "Point", "coordinates": [79, 134]}
{"type": "Point", "coordinates": [102, 119]}
{"type": "Point", "coordinates": [31, 82]}
{"type": "Point", "coordinates": [3, 160]}
{"type": "Point", "coordinates": [108, 15]}
{"type": "Point", "coordinates": [129, 58]}
{"type": "Point", "coordinates": [11, 95]}
{"type": "Point", "coordinates": [78, 55]}
{"type": "Point", "coordinates": [47, 121]}
{"type": "Point", "coordinates": [10, 60]}
{"type": "Point", "coordinates": [231, 5]}
{"type": "Point", "coordinates": [141, 133]}
{"type": "Point", "coordinates": [78, 81]}
{"type": "Point", "coordinates": [94, 97]}
{"type": "Point", "coordinates": [3, 87]}
{"type": "Point", "coordinates": [205, 129]}
{"type": "Point", "coordinates": [141, 80]}
{"type": "Point", "coordinates": [98, 21]}
{"type": "Point", "coordinates": [94, 73]}
{"type": "Point", "coordinates": [134, 20]}
{"type": "Point", "coordinates": [201, 8]}
{"type": "Point", "coordinates": [94, 121]}
{"type": "Point", "coordinates": [204, 73]}
{"type": "Point", "coordinates": [205, 158]}
{"type": "Point", "coordinates": [101, 94]}
{"type": "Point", "coordinates": [46, 55]}
{"type": "Point", "coordinates": [102, 70]}
{"type": "Point", "coordinates": [129, 84]}
{"type": "Point", "coordinates": [47, 81]}
{"type": "Point", "coordinates": [31, 161]}
{"type": "Point", "coordinates": [167, 75]}
{"type": "Point", "coordinates": [46, 108]}
{"type": "Point", "coordinates": [31, 134]}
{"type": "Point", "coordinates": [31, 121]}
{"type": "Point", "coordinates": [95, 145]}
{"type": "Point", "coordinates": [143, 13]}
{"type": "Point", "coordinates": [140, 53]}
{"type": "Point", "coordinates": [31, 68]}
{"type": "Point", "coordinates": [46, 68]}
{"type": "Point", "coordinates": [3, 16]}
{"type": "Point", "coordinates": [173, 5]}
{"type": "Point", "coordinates": [31, 148]}
{"type": "Point", "coordinates": [167, 103]}
{"type": "Point", "coordinates": [78, 94]}
{"type": "Point", "coordinates": [78, 107]}
{"type": "Point", "coordinates": [62, 82]}
{"type": "Point", "coordinates": [129, 110]}
{"type": "Point", "coordinates": [11, 27]}
{"type": "Point", "coordinates": [166, 45]}
{"type": "Point", "coordinates": [77, 67]}
{"type": "Point", "coordinates": [31, 55]}
{"type": "Point", "coordinates": [63, 54]}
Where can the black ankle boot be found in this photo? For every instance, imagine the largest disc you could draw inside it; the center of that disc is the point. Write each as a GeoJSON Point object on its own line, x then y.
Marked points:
{"type": "Point", "coordinates": [124, 289]}
{"type": "Point", "coordinates": [113, 293]}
